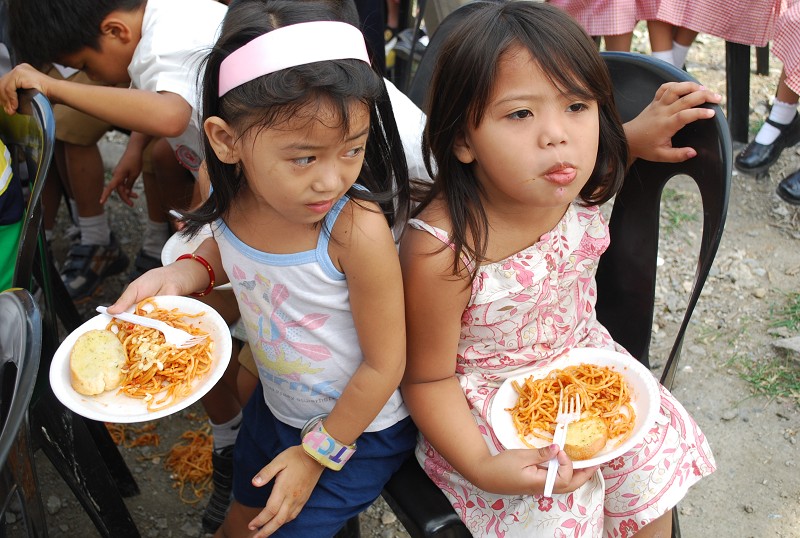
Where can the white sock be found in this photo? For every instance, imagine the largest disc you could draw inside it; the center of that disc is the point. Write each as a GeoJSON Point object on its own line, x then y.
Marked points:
{"type": "Point", "coordinates": [781, 113]}
{"type": "Point", "coordinates": [73, 211]}
{"type": "Point", "coordinates": [665, 55]}
{"type": "Point", "coordinates": [679, 53]}
{"type": "Point", "coordinates": [155, 236]}
{"type": "Point", "coordinates": [94, 230]}
{"type": "Point", "coordinates": [48, 235]}
{"type": "Point", "coordinates": [225, 434]}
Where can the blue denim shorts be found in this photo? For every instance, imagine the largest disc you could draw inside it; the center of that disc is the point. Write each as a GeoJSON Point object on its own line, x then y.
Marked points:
{"type": "Point", "coordinates": [339, 495]}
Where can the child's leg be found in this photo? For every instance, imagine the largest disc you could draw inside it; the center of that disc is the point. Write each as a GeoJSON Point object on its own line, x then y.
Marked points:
{"type": "Point", "coordinates": [85, 170]}
{"type": "Point", "coordinates": [783, 111]}
{"type": "Point", "coordinates": [224, 412]}
{"type": "Point", "coordinates": [681, 44]}
{"type": "Point", "coordinates": [247, 380]}
{"type": "Point", "coordinates": [620, 42]}
{"type": "Point", "coordinates": [167, 185]}
{"type": "Point", "coordinates": [235, 525]}
{"type": "Point", "coordinates": [780, 131]}
{"type": "Point", "coordinates": [658, 528]}
{"type": "Point", "coordinates": [97, 255]}
{"type": "Point", "coordinates": [661, 36]}
{"type": "Point", "coordinates": [644, 484]}
{"type": "Point", "coordinates": [337, 497]}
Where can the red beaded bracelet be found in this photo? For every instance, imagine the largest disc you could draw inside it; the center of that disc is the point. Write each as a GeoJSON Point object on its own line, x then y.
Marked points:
{"type": "Point", "coordinates": [208, 267]}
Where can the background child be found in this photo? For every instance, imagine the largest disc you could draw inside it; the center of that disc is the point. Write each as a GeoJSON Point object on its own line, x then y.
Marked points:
{"type": "Point", "coordinates": [78, 175]}
{"type": "Point", "coordinates": [12, 209]}
{"type": "Point", "coordinates": [781, 129]}
{"type": "Point", "coordinates": [499, 269]}
{"type": "Point", "coordinates": [155, 46]}
{"type": "Point", "coordinates": [303, 152]}
{"type": "Point", "coordinates": [673, 25]}
{"type": "Point", "coordinates": [614, 20]}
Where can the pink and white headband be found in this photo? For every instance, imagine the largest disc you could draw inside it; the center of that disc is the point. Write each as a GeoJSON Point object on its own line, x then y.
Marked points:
{"type": "Point", "coordinates": [297, 44]}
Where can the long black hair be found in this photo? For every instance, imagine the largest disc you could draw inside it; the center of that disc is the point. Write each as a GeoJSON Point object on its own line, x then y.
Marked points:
{"type": "Point", "coordinates": [460, 90]}
{"type": "Point", "coordinates": [271, 99]}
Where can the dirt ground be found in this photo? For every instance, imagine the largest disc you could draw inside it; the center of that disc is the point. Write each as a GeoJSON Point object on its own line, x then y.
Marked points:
{"type": "Point", "coordinates": [756, 490]}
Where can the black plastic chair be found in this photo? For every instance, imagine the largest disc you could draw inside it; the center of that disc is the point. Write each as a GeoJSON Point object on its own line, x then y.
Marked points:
{"type": "Point", "coordinates": [20, 351]}
{"type": "Point", "coordinates": [627, 271]}
{"type": "Point", "coordinates": [81, 450]}
{"type": "Point", "coordinates": [418, 88]}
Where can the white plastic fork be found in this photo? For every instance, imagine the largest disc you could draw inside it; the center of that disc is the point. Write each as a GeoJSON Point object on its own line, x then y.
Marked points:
{"type": "Point", "coordinates": [568, 411]}
{"type": "Point", "coordinates": [177, 337]}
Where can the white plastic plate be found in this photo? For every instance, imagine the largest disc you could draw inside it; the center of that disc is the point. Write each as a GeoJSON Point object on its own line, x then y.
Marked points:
{"type": "Point", "coordinates": [644, 391]}
{"type": "Point", "coordinates": [111, 406]}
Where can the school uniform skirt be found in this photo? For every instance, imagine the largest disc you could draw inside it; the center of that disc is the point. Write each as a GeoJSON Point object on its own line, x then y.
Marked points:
{"type": "Point", "coordinates": [786, 45]}
{"type": "Point", "coordinates": [602, 17]}
{"type": "Point", "coordinates": [749, 22]}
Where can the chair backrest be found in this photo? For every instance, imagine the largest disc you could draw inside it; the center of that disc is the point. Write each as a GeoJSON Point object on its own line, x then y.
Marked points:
{"type": "Point", "coordinates": [20, 350]}
{"type": "Point", "coordinates": [420, 83]}
{"type": "Point", "coordinates": [30, 137]}
{"type": "Point", "coordinates": [626, 276]}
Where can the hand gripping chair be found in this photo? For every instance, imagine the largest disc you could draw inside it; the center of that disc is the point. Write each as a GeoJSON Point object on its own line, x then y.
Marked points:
{"type": "Point", "coordinates": [627, 271]}
{"type": "Point", "coordinates": [20, 350]}
{"type": "Point", "coordinates": [81, 450]}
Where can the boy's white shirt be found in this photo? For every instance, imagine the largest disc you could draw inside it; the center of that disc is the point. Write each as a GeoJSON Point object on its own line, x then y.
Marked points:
{"type": "Point", "coordinates": [410, 123]}
{"type": "Point", "coordinates": [176, 36]}
{"type": "Point", "coordinates": [65, 71]}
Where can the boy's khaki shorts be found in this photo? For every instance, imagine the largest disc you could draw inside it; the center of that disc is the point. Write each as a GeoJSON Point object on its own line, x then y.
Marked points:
{"type": "Point", "coordinates": [75, 127]}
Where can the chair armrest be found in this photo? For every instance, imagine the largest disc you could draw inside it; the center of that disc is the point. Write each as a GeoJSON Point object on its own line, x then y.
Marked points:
{"type": "Point", "coordinates": [420, 505]}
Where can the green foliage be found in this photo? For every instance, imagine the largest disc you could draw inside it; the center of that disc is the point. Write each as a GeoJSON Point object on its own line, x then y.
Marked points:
{"type": "Point", "coordinates": [774, 378]}
{"type": "Point", "coordinates": [672, 215]}
{"type": "Point", "coordinates": [788, 316]}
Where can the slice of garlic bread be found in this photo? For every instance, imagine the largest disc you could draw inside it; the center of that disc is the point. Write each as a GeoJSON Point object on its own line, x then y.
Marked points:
{"type": "Point", "coordinates": [585, 438]}
{"type": "Point", "coordinates": [96, 362]}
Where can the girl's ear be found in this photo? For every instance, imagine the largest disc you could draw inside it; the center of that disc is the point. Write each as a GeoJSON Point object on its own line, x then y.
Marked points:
{"type": "Point", "coordinates": [221, 137]}
{"type": "Point", "coordinates": [461, 149]}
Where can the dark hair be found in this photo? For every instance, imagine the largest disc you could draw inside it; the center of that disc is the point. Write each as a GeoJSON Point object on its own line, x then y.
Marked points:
{"type": "Point", "coordinates": [42, 31]}
{"type": "Point", "coordinates": [462, 82]}
{"type": "Point", "coordinates": [346, 9]}
{"type": "Point", "coordinates": [271, 99]}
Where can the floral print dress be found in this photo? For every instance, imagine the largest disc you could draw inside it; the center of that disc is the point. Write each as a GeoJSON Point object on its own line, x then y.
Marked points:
{"type": "Point", "coordinates": [527, 310]}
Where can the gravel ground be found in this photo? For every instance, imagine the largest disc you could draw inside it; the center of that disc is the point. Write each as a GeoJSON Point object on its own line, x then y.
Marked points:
{"type": "Point", "coordinates": [755, 492]}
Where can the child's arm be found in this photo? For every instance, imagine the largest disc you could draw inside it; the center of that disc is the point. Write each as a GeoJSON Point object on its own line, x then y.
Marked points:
{"type": "Point", "coordinates": [163, 114]}
{"type": "Point", "coordinates": [674, 105]}
{"type": "Point", "coordinates": [435, 301]}
{"type": "Point", "coordinates": [178, 278]}
{"type": "Point", "coordinates": [363, 247]}
{"type": "Point", "coordinates": [127, 170]}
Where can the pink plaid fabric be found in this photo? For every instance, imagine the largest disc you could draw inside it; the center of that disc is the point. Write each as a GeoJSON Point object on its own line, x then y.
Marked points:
{"type": "Point", "coordinates": [749, 22]}
{"type": "Point", "coordinates": [787, 44]}
{"type": "Point", "coordinates": [602, 17]}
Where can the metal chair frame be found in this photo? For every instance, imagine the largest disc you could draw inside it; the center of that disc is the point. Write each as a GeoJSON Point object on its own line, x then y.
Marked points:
{"type": "Point", "coordinates": [20, 350]}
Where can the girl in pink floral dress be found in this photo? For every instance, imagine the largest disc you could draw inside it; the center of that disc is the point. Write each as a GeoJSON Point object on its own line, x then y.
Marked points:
{"type": "Point", "coordinates": [499, 274]}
